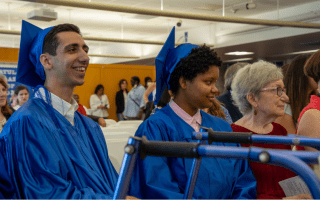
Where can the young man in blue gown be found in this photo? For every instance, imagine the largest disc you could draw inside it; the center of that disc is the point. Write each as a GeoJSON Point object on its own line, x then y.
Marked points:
{"type": "Point", "coordinates": [48, 150]}
{"type": "Point", "coordinates": [190, 72]}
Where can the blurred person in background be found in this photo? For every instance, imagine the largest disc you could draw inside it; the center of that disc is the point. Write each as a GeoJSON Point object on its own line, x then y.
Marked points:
{"type": "Point", "coordinates": [22, 94]}
{"type": "Point", "coordinates": [218, 110]}
{"type": "Point", "coordinates": [258, 91]}
{"type": "Point", "coordinates": [99, 103]}
{"type": "Point", "coordinates": [121, 98]}
{"type": "Point", "coordinates": [135, 103]}
{"type": "Point", "coordinates": [147, 82]}
{"type": "Point", "coordinates": [309, 119]}
{"type": "Point", "coordinates": [226, 98]}
{"type": "Point", "coordinates": [5, 111]}
{"type": "Point", "coordinates": [83, 110]}
{"type": "Point", "coordinates": [299, 90]}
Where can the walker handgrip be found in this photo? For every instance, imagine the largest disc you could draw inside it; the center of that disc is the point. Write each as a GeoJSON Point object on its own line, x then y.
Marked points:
{"type": "Point", "coordinates": [168, 149]}
{"type": "Point", "coordinates": [229, 137]}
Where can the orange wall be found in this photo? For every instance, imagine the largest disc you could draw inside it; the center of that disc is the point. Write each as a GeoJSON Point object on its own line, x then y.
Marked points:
{"type": "Point", "coordinates": [108, 75]}
{"type": "Point", "coordinates": [9, 55]}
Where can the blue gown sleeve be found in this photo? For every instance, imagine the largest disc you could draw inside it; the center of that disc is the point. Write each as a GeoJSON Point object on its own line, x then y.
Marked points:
{"type": "Point", "coordinates": [6, 188]}
{"type": "Point", "coordinates": [246, 184]}
{"type": "Point", "coordinates": [152, 177]}
{"type": "Point", "coordinates": [38, 169]}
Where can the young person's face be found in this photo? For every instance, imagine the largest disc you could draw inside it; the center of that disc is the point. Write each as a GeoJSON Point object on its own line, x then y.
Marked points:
{"type": "Point", "coordinates": [201, 91]}
{"type": "Point", "coordinates": [23, 96]}
{"type": "Point", "coordinates": [123, 85]}
{"type": "Point", "coordinates": [71, 62]}
{"type": "Point", "coordinates": [100, 91]}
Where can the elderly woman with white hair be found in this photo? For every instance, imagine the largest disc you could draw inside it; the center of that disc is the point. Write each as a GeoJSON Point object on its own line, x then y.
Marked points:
{"type": "Point", "coordinates": [258, 90]}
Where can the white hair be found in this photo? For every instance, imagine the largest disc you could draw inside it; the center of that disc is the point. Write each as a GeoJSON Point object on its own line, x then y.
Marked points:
{"type": "Point", "coordinates": [251, 79]}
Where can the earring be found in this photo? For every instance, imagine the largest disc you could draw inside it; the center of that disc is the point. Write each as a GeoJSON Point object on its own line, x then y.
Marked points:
{"type": "Point", "coordinates": [255, 112]}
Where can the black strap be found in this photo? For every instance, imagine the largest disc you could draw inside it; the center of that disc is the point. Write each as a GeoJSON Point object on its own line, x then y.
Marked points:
{"type": "Point", "coordinates": [135, 102]}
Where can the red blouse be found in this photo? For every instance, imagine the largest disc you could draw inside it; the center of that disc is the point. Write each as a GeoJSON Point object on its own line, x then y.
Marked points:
{"type": "Point", "coordinates": [81, 110]}
{"type": "Point", "coordinates": [314, 104]}
{"type": "Point", "coordinates": [268, 176]}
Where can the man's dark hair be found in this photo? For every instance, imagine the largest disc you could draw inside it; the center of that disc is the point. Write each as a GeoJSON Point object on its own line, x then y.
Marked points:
{"type": "Point", "coordinates": [51, 40]}
{"type": "Point", "coordinates": [197, 62]}
{"type": "Point", "coordinates": [98, 88]}
{"type": "Point", "coordinates": [136, 79]}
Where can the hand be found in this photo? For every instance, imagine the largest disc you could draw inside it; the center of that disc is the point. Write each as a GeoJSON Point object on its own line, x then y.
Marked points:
{"type": "Point", "coordinates": [101, 106]}
{"type": "Point", "coordinates": [131, 197]}
{"type": "Point", "coordinates": [102, 122]}
{"type": "Point", "coordinates": [300, 196]}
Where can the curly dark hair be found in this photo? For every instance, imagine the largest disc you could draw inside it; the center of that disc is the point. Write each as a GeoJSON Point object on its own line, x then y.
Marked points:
{"type": "Point", "coordinates": [98, 88]}
{"type": "Point", "coordinates": [51, 40]}
{"type": "Point", "coordinates": [197, 62]}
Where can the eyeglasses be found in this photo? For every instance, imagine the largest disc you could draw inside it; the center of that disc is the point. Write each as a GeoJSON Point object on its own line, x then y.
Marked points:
{"type": "Point", "coordinates": [280, 90]}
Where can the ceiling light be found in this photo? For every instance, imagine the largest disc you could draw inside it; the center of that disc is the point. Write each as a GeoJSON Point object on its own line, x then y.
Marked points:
{"type": "Point", "coordinates": [239, 53]}
{"type": "Point", "coordinates": [238, 60]}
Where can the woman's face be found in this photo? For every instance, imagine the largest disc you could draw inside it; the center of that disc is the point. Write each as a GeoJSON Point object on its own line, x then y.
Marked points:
{"type": "Point", "coordinates": [100, 91]}
{"type": "Point", "coordinates": [149, 83]}
{"type": "Point", "coordinates": [23, 96]}
{"type": "Point", "coordinates": [201, 91]}
{"type": "Point", "coordinates": [123, 85]}
{"type": "Point", "coordinates": [270, 103]}
{"type": "Point", "coordinates": [3, 95]}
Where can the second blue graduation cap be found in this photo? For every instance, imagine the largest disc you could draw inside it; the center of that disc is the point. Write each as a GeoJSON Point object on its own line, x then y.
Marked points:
{"type": "Point", "coordinates": [167, 60]}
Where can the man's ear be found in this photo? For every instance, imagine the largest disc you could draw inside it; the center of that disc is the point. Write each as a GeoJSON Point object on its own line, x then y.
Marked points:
{"type": "Point", "coordinates": [183, 83]}
{"type": "Point", "coordinates": [252, 99]}
{"type": "Point", "coordinates": [46, 61]}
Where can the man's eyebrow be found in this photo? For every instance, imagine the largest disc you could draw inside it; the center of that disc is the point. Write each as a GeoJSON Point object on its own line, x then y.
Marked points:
{"type": "Point", "coordinates": [71, 45]}
{"type": "Point", "coordinates": [75, 45]}
{"type": "Point", "coordinates": [85, 46]}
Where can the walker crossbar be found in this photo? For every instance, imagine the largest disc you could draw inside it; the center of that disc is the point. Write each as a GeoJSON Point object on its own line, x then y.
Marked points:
{"type": "Point", "coordinates": [249, 138]}
{"type": "Point", "coordinates": [159, 148]}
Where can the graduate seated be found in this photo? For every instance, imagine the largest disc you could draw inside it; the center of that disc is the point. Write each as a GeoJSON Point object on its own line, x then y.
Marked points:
{"type": "Point", "coordinates": [190, 72]}
{"type": "Point", "coordinates": [47, 149]}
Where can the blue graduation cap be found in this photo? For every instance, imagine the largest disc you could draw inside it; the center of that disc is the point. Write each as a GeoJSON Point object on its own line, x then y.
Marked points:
{"type": "Point", "coordinates": [167, 60]}
{"type": "Point", "coordinates": [30, 70]}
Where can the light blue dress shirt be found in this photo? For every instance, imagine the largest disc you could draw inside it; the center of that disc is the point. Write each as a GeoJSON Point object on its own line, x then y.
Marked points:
{"type": "Point", "coordinates": [134, 102]}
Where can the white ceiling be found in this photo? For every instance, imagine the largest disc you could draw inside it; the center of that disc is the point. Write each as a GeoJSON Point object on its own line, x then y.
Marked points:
{"type": "Point", "coordinates": [97, 23]}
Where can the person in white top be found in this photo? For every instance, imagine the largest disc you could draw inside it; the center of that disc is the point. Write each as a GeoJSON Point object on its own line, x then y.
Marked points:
{"type": "Point", "coordinates": [99, 103]}
{"type": "Point", "coordinates": [22, 94]}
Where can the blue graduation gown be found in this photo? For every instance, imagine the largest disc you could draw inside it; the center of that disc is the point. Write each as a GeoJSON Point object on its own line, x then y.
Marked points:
{"type": "Point", "coordinates": [46, 161]}
{"type": "Point", "coordinates": [166, 178]}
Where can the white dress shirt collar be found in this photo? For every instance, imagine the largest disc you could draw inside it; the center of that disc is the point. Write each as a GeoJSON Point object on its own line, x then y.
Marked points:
{"type": "Point", "coordinates": [64, 108]}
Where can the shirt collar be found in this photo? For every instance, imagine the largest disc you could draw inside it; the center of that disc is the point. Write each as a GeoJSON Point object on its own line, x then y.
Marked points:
{"type": "Point", "coordinates": [59, 104]}
{"type": "Point", "coordinates": [185, 116]}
